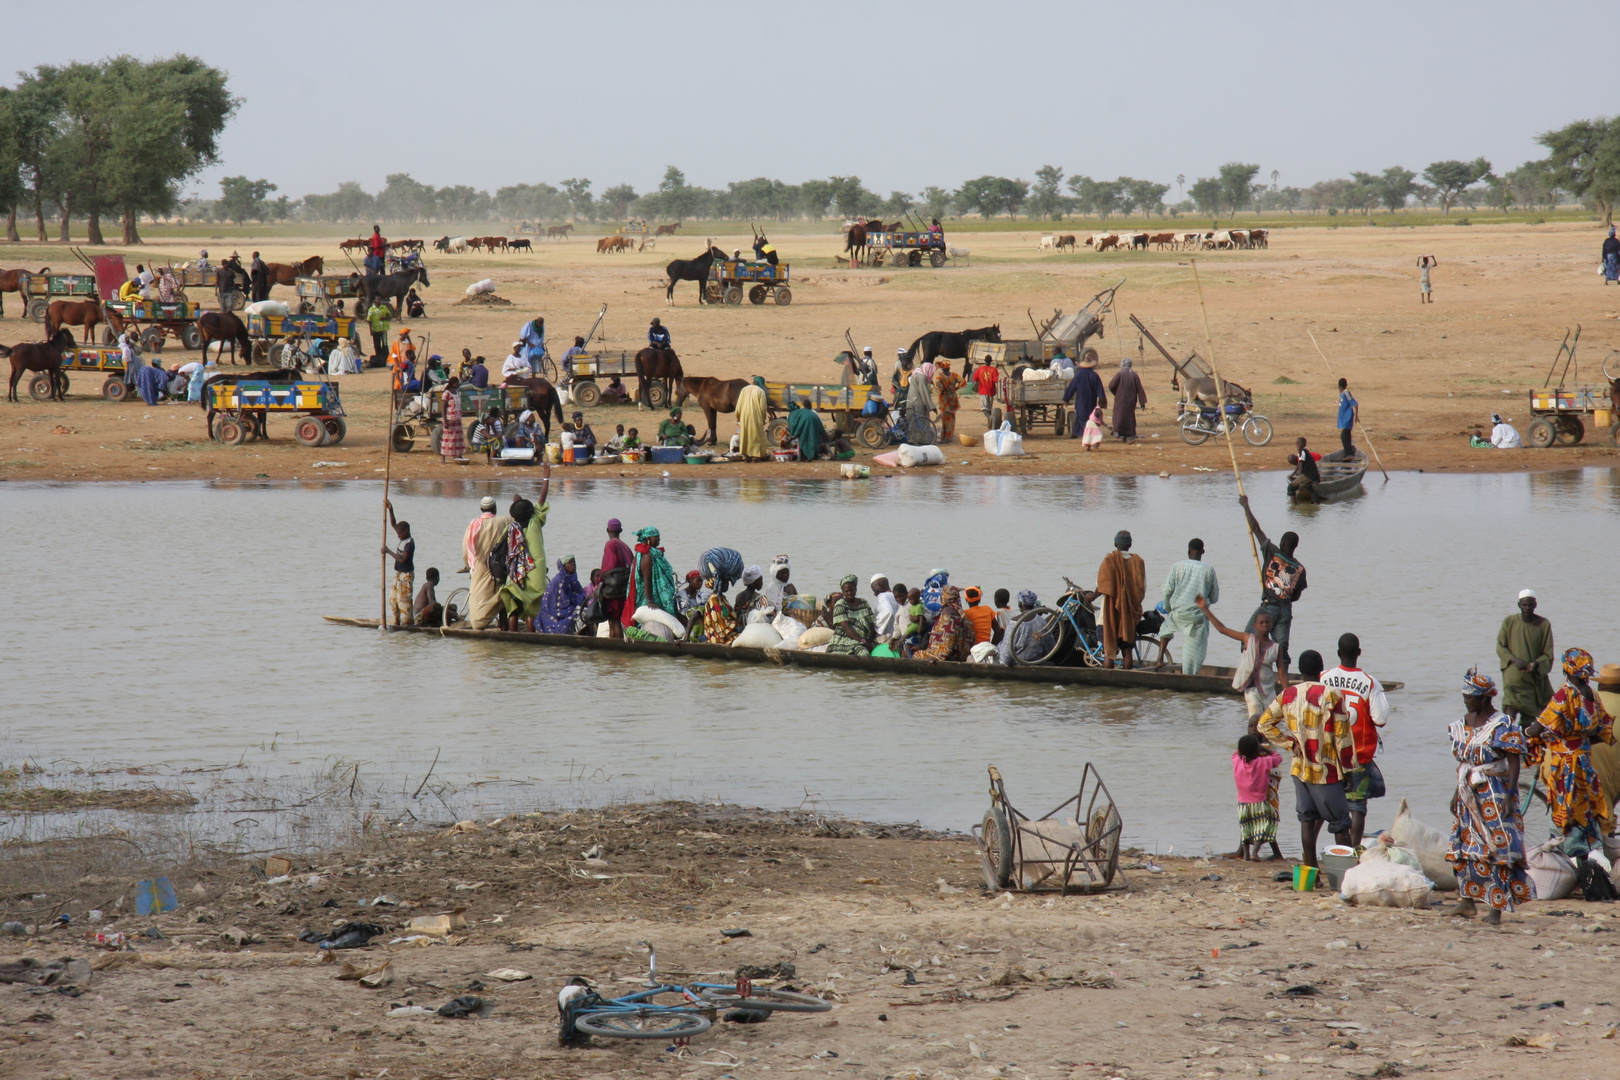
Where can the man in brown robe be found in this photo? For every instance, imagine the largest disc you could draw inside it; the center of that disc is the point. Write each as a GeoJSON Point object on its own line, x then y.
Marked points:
{"type": "Point", "coordinates": [1122, 581]}
{"type": "Point", "coordinates": [1129, 395]}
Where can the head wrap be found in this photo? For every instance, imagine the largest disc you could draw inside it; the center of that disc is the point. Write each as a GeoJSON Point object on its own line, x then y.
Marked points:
{"type": "Point", "coordinates": [487, 504]}
{"type": "Point", "coordinates": [1027, 598]}
{"type": "Point", "coordinates": [1122, 539]}
{"type": "Point", "coordinates": [526, 415]}
{"type": "Point", "coordinates": [614, 526]}
{"type": "Point", "coordinates": [517, 344]}
{"type": "Point", "coordinates": [848, 579]}
{"type": "Point", "coordinates": [779, 563]}
{"type": "Point", "coordinates": [1477, 685]}
{"type": "Point", "coordinates": [1496, 418]}
{"type": "Point", "coordinates": [927, 370]}
{"type": "Point", "coordinates": [972, 592]}
{"type": "Point", "coordinates": [676, 411]}
{"type": "Point", "coordinates": [1578, 664]}
{"type": "Point", "coordinates": [693, 575]}
{"type": "Point", "coordinates": [647, 534]}
{"type": "Point", "coordinates": [753, 575]}
{"type": "Point", "coordinates": [564, 561]}
{"type": "Point", "coordinates": [1527, 594]}
{"type": "Point", "coordinates": [950, 596]}
{"type": "Point", "coordinates": [1124, 363]}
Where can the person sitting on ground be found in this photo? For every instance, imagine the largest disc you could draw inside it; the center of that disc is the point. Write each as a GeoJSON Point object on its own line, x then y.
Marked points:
{"type": "Point", "coordinates": [478, 374]}
{"type": "Point", "coordinates": [584, 437]}
{"type": "Point", "coordinates": [981, 618]}
{"type": "Point", "coordinates": [1504, 436]}
{"type": "Point", "coordinates": [615, 445]}
{"type": "Point", "coordinates": [632, 439]}
{"type": "Point", "coordinates": [427, 610]}
{"type": "Point", "coordinates": [414, 306]}
{"type": "Point", "coordinates": [152, 383]}
{"type": "Point", "coordinates": [805, 428]}
{"type": "Point", "coordinates": [1477, 440]}
{"type": "Point", "coordinates": [672, 432]}
{"type": "Point", "coordinates": [614, 392]}
{"type": "Point", "coordinates": [515, 368]}
{"type": "Point", "coordinates": [853, 620]}
{"type": "Point", "coordinates": [1252, 765]}
{"type": "Point", "coordinates": [527, 432]}
{"type": "Point", "coordinates": [486, 435]}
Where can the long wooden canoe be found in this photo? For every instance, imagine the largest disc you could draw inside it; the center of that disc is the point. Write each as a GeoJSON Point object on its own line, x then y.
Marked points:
{"type": "Point", "coordinates": [1211, 680]}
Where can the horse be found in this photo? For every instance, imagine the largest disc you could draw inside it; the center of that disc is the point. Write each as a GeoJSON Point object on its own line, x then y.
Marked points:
{"type": "Point", "coordinates": [657, 365]}
{"type": "Point", "coordinates": [82, 313]}
{"type": "Point", "coordinates": [225, 328]}
{"type": "Point", "coordinates": [558, 232]}
{"type": "Point", "coordinates": [953, 345]}
{"type": "Point", "coordinates": [391, 286]}
{"type": "Point", "coordinates": [11, 281]}
{"type": "Point", "coordinates": [692, 270]}
{"type": "Point", "coordinates": [39, 356]}
{"type": "Point", "coordinates": [289, 273]}
{"type": "Point", "coordinates": [713, 396]}
{"type": "Point", "coordinates": [855, 241]}
{"type": "Point", "coordinates": [540, 396]}
{"type": "Point", "coordinates": [667, 230]}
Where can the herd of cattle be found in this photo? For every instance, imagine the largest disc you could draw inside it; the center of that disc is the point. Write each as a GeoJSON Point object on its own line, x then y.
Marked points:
{"type": "Point", "coordinates": [460, 245]}
{"type": "Point", "coordinates": [610, 244]}
{"type": "Point", "coordinates": [1215, 240]}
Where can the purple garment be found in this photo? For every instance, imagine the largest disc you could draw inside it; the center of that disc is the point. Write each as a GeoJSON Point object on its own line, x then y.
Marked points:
{"type": "Point", "coordinates": [1086, 390]}
{"type": "Point", "coordinates": [559, 608]}
{"type": "Point", "coordinates": [152, 383]}
{"type": "Point", "coordinates": [479, 376]}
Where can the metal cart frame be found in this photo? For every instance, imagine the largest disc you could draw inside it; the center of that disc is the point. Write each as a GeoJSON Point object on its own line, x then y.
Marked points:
{"type": "Point", "coordinates": [1026, 854]}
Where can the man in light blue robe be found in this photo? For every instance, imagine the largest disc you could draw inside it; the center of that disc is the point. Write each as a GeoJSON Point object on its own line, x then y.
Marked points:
{"type": "Point", "coordinates": [1188, 580]}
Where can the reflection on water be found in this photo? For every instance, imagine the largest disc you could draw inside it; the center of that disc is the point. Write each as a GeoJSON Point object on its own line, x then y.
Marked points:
{"type": "Point", "coordinates": [179, 624]}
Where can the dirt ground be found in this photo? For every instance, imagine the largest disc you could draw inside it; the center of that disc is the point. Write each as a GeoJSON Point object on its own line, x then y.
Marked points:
{"type": "Point", "coordinates": [1200, 969]}
{"type": "Point", "coordinates": [1425, 375]}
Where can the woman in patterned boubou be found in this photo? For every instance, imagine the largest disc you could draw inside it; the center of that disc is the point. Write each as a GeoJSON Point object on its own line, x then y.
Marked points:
{"type": "Point", "coordinates": [1487, 840]}
{"type": "Point", "coordinates": [1560, 741]}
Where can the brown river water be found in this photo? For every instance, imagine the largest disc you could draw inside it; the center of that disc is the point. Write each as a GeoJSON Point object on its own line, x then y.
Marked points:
{"type": "Point", "coordinates": [176, 628]}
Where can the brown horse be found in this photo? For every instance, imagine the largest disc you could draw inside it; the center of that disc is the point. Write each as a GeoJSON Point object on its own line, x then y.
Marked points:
{"type": "Point", "coordinates": [559, 232]}
{"type": "Point", "coordinates": [39, 356]}
{"type": "Point", "coordinates": [86, 314]}
{"type": "Point", "coordinates": [225, 328]}
{"type": "Point", "coordinates": [542, 397]}
{"type": "Point", "coordinates": [713, 396]}
{"type": "Point", "coordinates": [289, 273]}
{"type": "Point", "coordinates": [660, 366]}
{"type": "Point", "coordinates": [855, 242]}
{"type": "Point", "coordinates": [11, 281]}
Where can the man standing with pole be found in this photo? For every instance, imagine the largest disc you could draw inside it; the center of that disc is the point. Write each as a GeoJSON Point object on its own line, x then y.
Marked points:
{"type": "Point", "coordinates": [1282, 579]}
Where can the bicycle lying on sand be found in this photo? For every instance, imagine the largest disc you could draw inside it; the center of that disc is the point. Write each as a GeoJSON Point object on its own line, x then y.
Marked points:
{"type": "Point", "coordinates": [685, 1010]}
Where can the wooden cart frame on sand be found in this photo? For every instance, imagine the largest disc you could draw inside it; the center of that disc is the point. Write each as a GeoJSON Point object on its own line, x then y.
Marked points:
{"type": "Point", "coordinates": [1077, 853]}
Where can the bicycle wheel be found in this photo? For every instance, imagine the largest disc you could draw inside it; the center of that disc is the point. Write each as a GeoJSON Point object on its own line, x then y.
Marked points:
{"type": "Point", "coordinates": [644, 1024]}
{"type": "Point", "coordinates": [1038, 635]}
{"type": "Point", "coordinates": [765, 1000]}
{"type": "Point", "coordinates": [548, 369]}
{"type": "Point", "coordinates": [455, 607]}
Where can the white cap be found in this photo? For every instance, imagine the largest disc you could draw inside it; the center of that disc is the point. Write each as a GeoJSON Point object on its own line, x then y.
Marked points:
{"type": "Point", "coordinates": [877, 578]}
{"type": "Point", "coordinates": [1527, 594]}
{"type": "Point", "coordinates": [866, 350]}
{"type": "Point", "coordinates": [517, 344]}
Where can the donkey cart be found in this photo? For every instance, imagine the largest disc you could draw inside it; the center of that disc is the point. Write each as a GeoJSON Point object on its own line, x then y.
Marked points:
{"type": "Point", "coordinates": [1073, 848]}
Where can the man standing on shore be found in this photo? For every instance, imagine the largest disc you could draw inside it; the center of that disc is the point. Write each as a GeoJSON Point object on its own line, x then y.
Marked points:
{"type": "Point", "coordinates": [1190, 579]}
{"type": "Point", "coordinates": [1524, 644]}
{"type": "Point", "coordinates": [1368, 709]}
{"type": "Point", "coordinates": [1282, 580]}
{"type": "Point", "coordinates": [1309, 719]}
{"type": "Point", "coordinates": [379, 316]}
{"type": "Point", "coordinates": [1122, 581]}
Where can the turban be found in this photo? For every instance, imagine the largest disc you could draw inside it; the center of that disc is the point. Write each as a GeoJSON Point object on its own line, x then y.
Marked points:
{"type": "Point", "coordinates": [1027, 598]}
{"type": "Point", "coordinates": [848, 579]}
{"type": "Point", "coordinates": [1477, 685]}
{"type": "Point", "coordinates": [753, 575]}
{"type": "Point", "coordinates": [972, 593]}
{"type": "Point", "coordinates": [1578, 664]}
{"type": "Point", "coordinates": [646, 534]}
{"type": "Point", "coordinates": [779, 563]}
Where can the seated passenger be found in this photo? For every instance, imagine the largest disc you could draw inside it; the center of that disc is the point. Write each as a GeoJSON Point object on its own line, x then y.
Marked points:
{"type": "Point", "coordinates": [674, 433]}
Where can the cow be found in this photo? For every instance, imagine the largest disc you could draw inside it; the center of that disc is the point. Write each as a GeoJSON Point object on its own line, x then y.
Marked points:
{"type": "Point", "coordinates": [354, 245]}
{"type": "Point", "coordinates": [1066, 242]}
{"type": "Point", "coordinates": [1139, 241]}
{"type": "Point", "coordinates": [1260, 238]}
{"type": "Point", "coordinates": [1189, 241]}
{"type": "Point", "coordinates": [457, 244]}
{"type": "Point", "coordinates": [442, 244]}
{"type": "Point", "coordinates": [649, 243]}
{"type": "Point", "coordinates": [522, 244]}
{"type": "Point", "coordinates": [1103, 241]}
{"type": "Point", "coordinates": [476, 243]}
{"type": "Point", "coordinates": [494, 243]}
{"type": "Point", "coordinates": [1162, 240]}
{"type": "Point", "coordinates": [1240, 238]}
{"type": "Point", "coordinates": [1048, 243]}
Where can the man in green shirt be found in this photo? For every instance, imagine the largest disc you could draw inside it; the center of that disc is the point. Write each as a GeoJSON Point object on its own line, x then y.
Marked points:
{"type": "Point", "coordinates": [379, 316]}
{"type": "Point", "coordinates": [1525, 647]}
{"type": "Point", "coordinates": [672, 432]}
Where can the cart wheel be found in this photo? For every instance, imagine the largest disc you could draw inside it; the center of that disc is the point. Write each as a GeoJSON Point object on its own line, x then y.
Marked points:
{"type": "Point", "coordinates": [996, 418]}
{"type": "Point", "coordinates": [401, 440]}
{"type": "Point", "coordinates": [310, 431]}
{"type": "Point", "coordinates": [1614, 435]}
{"type": "Point", "coordinates": [231, 431]}
{"type": "Point", "coordinates": [734, 295]}
{"type": "Point", "coordinates": [253, 426]}
{"type": "Point", "coordinates": [37, 309]}
{"type": "Point", "coordinates": [152, 339]}
{"type": "Point", "coordinates": [775, 430]}
{"type": "Point", "coordinates": [1541, 433]}
{"type": "Point", "coordinates": [279, 355]}
{"type": "Point", "coordinates": [784, 296]}
{"type": "Point", "coordinates": [936, 259]}
{"type": "Point", "coordinates": [435, 435]}
{"type": "Point", "coordinates": [238, 301]}
{"type": "Point", "coordinates": [655, 395]}
{"type": "Point", "coordinates": [107, 335]}
{"type": "Point", "coordinates": [1191, 433]}
{"type": "Point", "coordinates": [115, 389]}
{"type": "Point", "coordinates": [1570, 430]}
{"type": "Point", "coordinates": [871, 435]}
{"type": "Point", "coordinates": [586, 394]}
{"type": "Point", "coordinates": [756, 295]}
{"type": "Point", "coordinates": [661, 1024]}
{"type": "Point", "coordinates": [39, 387]}
{"type": "Point", "coordinates": [996, 849]}
{"type": "Point", "coordinates": [1257, 431]}
{"type": "Point", "coordinates": [711, 290]}
{"type": "Point", "coordinates": [1060, 424]}
{"type": "Point", "coordinates": [336, 428]}
{"type": "Point", "coordinates": [191, 337]}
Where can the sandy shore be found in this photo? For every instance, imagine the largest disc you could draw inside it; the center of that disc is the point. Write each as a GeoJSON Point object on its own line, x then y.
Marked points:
{"type": "Point", "coordinates": [1205, 968]}
{"type": "Point", "coordinates": [1426, 375]}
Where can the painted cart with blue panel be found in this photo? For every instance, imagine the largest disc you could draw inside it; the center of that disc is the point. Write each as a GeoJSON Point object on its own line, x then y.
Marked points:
{"type": "Point", "coordinates": [38, 290]}
{"type": "Point", "coordinates": [155, 321]}
{"type": "Point", "coordinates": [843, 405]}
{"type": "Point", "coordinates": [910, 248]}
{"type": "Point", "coordinates": [274, 334]}
{"type": "Point", "coordinates": [239, 410]}
{"type": "Point", "coordinates": [728, 279]}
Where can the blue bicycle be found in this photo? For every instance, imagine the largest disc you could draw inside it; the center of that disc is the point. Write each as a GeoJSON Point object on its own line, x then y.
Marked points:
{"type": "Point", "coordinates": [671, 1011]}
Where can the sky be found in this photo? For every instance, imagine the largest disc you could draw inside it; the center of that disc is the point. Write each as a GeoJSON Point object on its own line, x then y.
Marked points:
{"type": "Point", "coordinates": [904, 95]}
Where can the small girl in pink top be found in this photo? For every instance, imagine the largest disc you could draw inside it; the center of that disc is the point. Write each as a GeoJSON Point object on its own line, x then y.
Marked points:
{"type": "Point", "coordinates": [1252, 767]}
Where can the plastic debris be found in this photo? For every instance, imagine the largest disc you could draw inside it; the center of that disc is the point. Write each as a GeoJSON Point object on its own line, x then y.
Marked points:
{"type": "Point", "coordinates": [351, 935]}
{"type": "Point", "coordinates": [465, 1005]}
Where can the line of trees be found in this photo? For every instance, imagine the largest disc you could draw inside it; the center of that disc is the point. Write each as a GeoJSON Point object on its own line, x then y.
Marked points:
{"type": "Point", "coordinates": [115, 138]}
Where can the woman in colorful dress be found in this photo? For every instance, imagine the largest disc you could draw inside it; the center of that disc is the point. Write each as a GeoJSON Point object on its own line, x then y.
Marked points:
{"type": "Point", "coordinates": [853, 620]}
{"type": "Point", "coordinates": [525, 560]}
{"type": "Point", "coordinates": [559, 608]}
{"type": "Point", "coordinates": [1561, 740]}
{"type": "Point", "coordinates": [1487, 840]}
{"type": "Point", "coordinates": [652, 581]}
{"type": "Point", "coordinates": [713, 622]}
{"type": "Point", "coordinates": [946, 385]}
{"type": "Point", "coordinates": [453, 442]}
{"type": "Point", "coordinates": [952, 635]}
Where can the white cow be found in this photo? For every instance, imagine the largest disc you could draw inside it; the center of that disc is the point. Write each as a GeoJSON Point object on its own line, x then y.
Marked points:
{"type": "Point", "coordinates": [457, 244]}
{"type": "Point", "coordinates": [1048, 242]}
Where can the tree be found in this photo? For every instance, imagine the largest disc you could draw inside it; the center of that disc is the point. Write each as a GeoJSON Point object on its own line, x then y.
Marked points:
{"type": "Point", "coordinates": [405, 199]}
{"type": "Point", "coordinates": [36, 113]}
{"type": "Point", "coordinates": [1206, 194]}
{"type": "Point", "coordinates": [992, 195]}
{"type": "Point", "coordinates": [1147, 196]}
{"type": "Point", "coordinates": [850, 197]}
{"type": "Point", "coordinates": [897, 204]}
{"type": "Point", "coordinates": [11, 184]}
{"type": "Point", "coordinates": [616, 200]}
{"type": "Point", "coordinates": [1533, 184]}
{"type": "Point", "coordinates": [1584, 159]}
{"type": "Point", "coordinates": [1237, 185]}
{"type": "Point", "coordinates": [241, 199]}
{"type": "Point", "coordinates": [676, 198]}
{"type": "Point", "coordinates": [1046, 197]}
{"type": "Point", "coordinates": [1085, 194]}
{"type": "Point", "coordinates": [1451, 177]}
{"type": "Point", "coordinates": [936, 202]}
{"type": "Point", "coordinates": [1499, 190]}
{"type": "Point", "coordinates": [1395, 187]}
{"type": "Point", "coordinates": [814, 195]}
{"type": "Point", "coordinates": [579, 196]}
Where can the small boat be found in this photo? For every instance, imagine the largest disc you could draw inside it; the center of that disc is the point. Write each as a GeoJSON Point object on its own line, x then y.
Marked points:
{"type": "Point", "coordinates": [1340, 475]}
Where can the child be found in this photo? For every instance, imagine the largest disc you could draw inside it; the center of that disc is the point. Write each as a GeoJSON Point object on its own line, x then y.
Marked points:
{"type": "Point", "coordinates": [902, 597]}
{"type": "Point", "coordinates": [616, 444]}
{"type": "Point", "coordinates": [632, 439]}
{"type": "Point", "coordinates": [486, 434]}
{"type": "Point", "coordinates": [1257, 814]}
{"type": "Point", "coordinates": [1094, 427]}
{"type": "Point", "coordinates": [1425, 293]}
{"type": "Point", "coordinates": [915, 622]}
{"type": "Point", "coordinates": [1003, 615]}
{"type": "Point", "coordinates": [981, 618]}
{"type": "Point", "coordinates": [428, 610]}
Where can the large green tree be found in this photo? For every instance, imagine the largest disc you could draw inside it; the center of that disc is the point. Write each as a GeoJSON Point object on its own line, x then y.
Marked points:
{"type": "Point", "coordinates": [241, 199]}
{"type": "Point", "coordinates": [1046, 198]}
{"type": "Point", "coordinates": [11, 183]}
{"type": "Point", "coordinates": [1237, 185]}
{"type": "Point", "coordinates": [1451, 177]}
{"type": "Point", "coordinates": [1584, 159]}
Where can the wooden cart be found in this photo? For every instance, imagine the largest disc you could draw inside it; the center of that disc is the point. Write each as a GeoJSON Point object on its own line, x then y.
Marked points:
{"type": "Point", "coordinates": [902, 249]}
{"type": "Point", "coordinates": [1072, 848]}
{"type": "Point", "coordinates": [728, 279]}
{"type": "Point", "coordinates": [155, 321]}
{"type": "Point", "coordinates": [421, 416]}
{"type": "Point", "coordinates": [239, 410]}
{"type": "Point", "coordinates": [273, 334]}
{"type": "Point", "coordinates": [841, 404]}
{"type": "Point", "coordinates": [93, 360]}
{"type": "Point", "coordinates": [320, 295]}
{"type": "Point", "coordinates": [1024, 401]}
{"type": "Point", "coordinates": [586, 368]}
{"type": "Point", "coordinates": [38, 290]}
{"type": "Point", "coordinates": [1561, 414]}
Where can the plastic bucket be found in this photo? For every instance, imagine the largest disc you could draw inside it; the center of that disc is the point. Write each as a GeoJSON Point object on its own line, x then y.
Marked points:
{"type": "Point", "coordinates": [1603, 418]}
{"type": "Point", "coordinates": [851, 471]}
{"type": "Point", "coordinates": [554, 453]}
{"type": "Point", "coordinates": [1304, 878]}
{"type": "Point", "coordinates": [1334, 862]}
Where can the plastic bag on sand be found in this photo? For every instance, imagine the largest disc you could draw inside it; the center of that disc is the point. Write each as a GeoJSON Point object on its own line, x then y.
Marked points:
{"type": "Point", "coordinates": [757, 636]}
{"type": "Point", "coordinates": [816, 635]}
{"type": "Point", "coordinates": [911, 457]}
{"type": "Point", "coordinates": [1552, 873]}
{"type": "Point", "coordinates": [1427, 843]}
{"type": "Point", "coordinates": [891, 459]}
{"type": "Point", "coordinates": [267, 307]}
{"type": "Point", "coordinates": [1382, 883]}
{"type": "Point", "coordinates": [479, 288]}
{"type": "Point", "coordinates": [1004, 441]}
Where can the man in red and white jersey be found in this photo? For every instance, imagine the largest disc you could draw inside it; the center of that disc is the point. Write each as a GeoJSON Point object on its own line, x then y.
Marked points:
{"type": "Point", "coordinates": [1369, 712]}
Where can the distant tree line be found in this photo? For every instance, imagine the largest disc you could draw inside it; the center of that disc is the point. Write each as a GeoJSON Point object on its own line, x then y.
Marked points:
{"type": "Point", "coordinates": [111, 139]}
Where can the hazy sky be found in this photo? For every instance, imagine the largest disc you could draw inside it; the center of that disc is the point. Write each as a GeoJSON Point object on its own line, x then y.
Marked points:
{"type": "Point", "coordinates": [491, 92]}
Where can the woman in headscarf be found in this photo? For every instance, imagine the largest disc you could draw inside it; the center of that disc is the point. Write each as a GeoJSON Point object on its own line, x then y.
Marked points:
{"type": "Point", "coordinates": [952, 635]}
{"type": "Point", "coordinates": [711, 620]}
{"type": "Point", "coordinates": [919, 400]}
{"type": "Point", "coordinates": [721, 568]}
{"type": "Point", "coordinates": [525, 559]}
{"type": "Point", "coordinates": [777, 586]}
{"type": "Point", "coordinates": [453, 443]}
{"type": "Point", "coordinates": [1611, 257]}
{"type": "Point", "coordinates": [559, 608]}
{"type": "Point", "coordinates": [946, 385]}
{"type": "Point", "coordinates": [751, 423]}
{"type": "Point", "coordinates": [1487, 840]}
{"type": "Point", "coordinates": [805, 427]}
{"type": "Point", "coordinates": [853, 621]}
{"type": "Point", "coordinates": [747, 600]}
{"type": "Point", "coordinates": [1129, 395]}
{"type": "Point", "coordinates": [652, 579]}
{"type": "Point", "coordinates": [1561, 740]}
